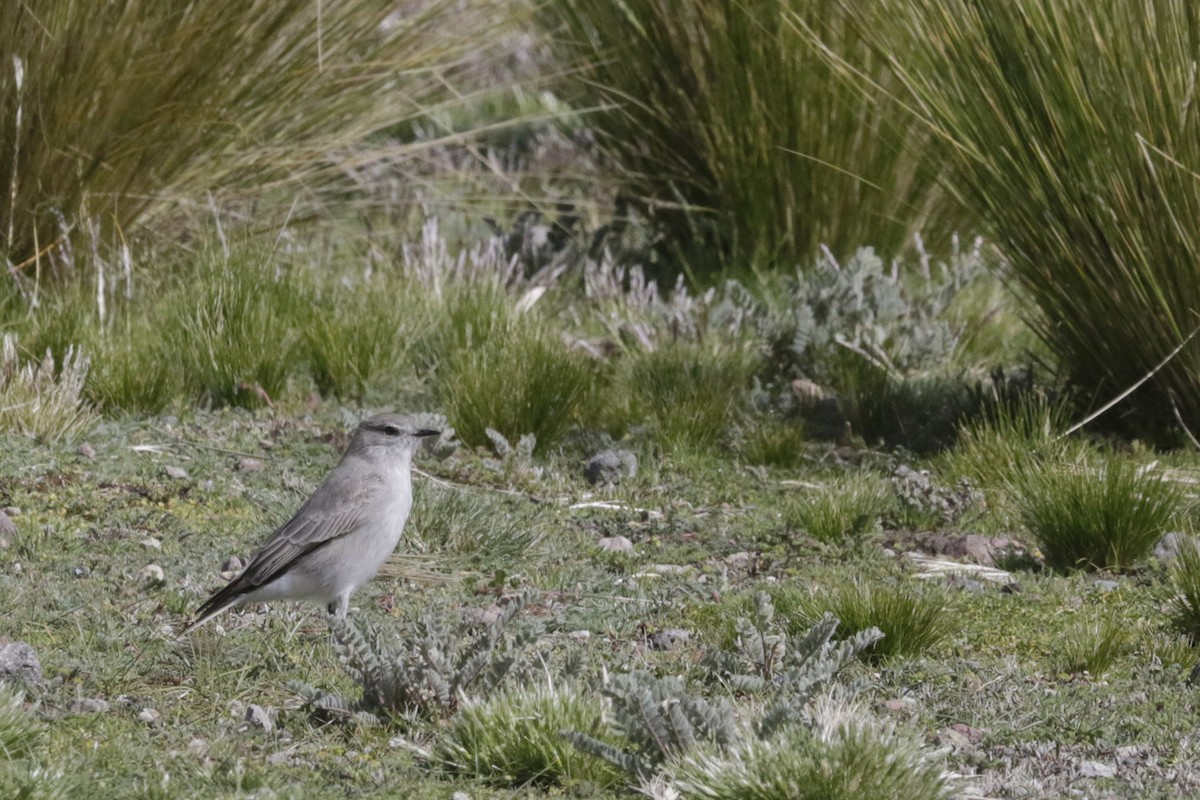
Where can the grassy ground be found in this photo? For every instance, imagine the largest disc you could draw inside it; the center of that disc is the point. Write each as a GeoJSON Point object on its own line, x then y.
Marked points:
{"type": "Point", "coordinates": [1004, 694]}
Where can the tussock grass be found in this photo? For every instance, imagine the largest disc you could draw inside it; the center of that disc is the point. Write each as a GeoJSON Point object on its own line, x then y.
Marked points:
{"type": "Point", "coordinates": [106, 112]}
{"type": "Point", "coordinates": [1185, 576]}
{"type": "Point", "coordinates": [40, 398]}
{"type": "Point", "coordinates": [1068, 127]}
{"type": "Point", "coordinates": [1106, 513]}
{"type": "Point", "coordinates": [913, 621]}
{"type": "Point", "coordinates": [773, 442]}
{"type": "Point", "coordinates": [690, 392]}
{"type": "Point", "coordinates": [1008, 441]}
{"type": "Point", "coordinates": [232, 329]}
{"type": "Point", "coordinates": [1093, 647]}
{"type": "Point", "coordinates": [514, 738]}
{"type": "Point", "coordinates": [843, 756]}
{"type": "Point", "coordinates": [845, 507]}
{"type": "Point", "coordinates": [737, 134]}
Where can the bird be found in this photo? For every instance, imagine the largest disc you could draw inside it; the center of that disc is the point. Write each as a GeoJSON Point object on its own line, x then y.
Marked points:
{"type": "Point", "coordinates": [343, 533]}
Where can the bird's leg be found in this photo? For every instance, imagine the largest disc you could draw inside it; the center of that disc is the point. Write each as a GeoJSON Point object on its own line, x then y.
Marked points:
{"type": "Point", "coordinates": [340, 606]}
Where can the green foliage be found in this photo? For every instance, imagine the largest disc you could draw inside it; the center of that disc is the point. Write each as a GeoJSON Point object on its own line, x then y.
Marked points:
{"type": "Point", "coordinates": [479, 528]}
{"type": "Point", "coordinates": [1185, 575]}
{"type": "Point", "coordinates": [18, 730]}
{"type": "Point", "coordinates": [425, 672]}
{"type": "Point", "coordinates": [848, 506]}
{"type": "Point", "coordinates": [105, 110]}
{"type": "Point", "coordinates": [1067, 126]}
{"type": "Point", "coordinates": [912, 621]}
{"type": "Point", "coordinates": [792, 672]}
{"type": "Point", "coordinates": [520, 379]}
{"type": "Point", "coordinates": [690, 392]}
{"type": "Point", "coordinates": [848, 760]}
{"type": "Point", "coordinates": [40, 398]}
{"type": "Point", "coordinates": [515, 738]}
{"type": "Point", "coordinates": [1089, 515]}
{"type": "Point", "coordinates": [773, 441]}
{"type": "Point", "coordinates": [741, 140]}
{"type": "Point", "coordinates": [361, 334]}
{"type": "Point", "coordinates": [231, 330]}
{"type": "Point", "coordinates": [1093, 647]}
{"type": "Point", "coordinates": [659, 720]}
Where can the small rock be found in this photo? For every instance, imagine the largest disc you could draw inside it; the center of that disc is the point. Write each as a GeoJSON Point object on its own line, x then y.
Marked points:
{"type": "Point", "coordinates": [739, 560]}
{"type": "Point", "coordinates": [152, 543]}
{"type": "Point", "coordinates": [1106, 586]}
{"type": "Point", "coordinates": [175, 473]}
{"type": "Point", "coordinates": [81, 572]}
{"type": "Point", "coordinates": [150, 716]}
{"type": "Point", "coordinates": [974, 735]}
{"type": "Point", "coordinates": [152, 575]}
{"type": "Point", "coordinates": [460, 796]}
{"type": "Point", "coordinates": [668, 639]}
{"type": "Point", "coordinates": [266, 444]}
{"type": "Point", "coordinates": [258, 717]}
{"type": "Point", "coordinates": [978, 549]}
{"type": "Point", "coordinates": [1170, 544]}
{"type": "Point", "coordinates": [482, 616]}
{"type": "Point", "coordinates": [808, 392]}
{"type": "Point", "coordinates": [7, 530]}
{"type": "Point", "coordinates": [12, 511]}
{"type": "Point", "coordinates": [87, 451]}
{"type": "Point", "coordinates": [580, 636]}
{"type": "Point", "coordinates": [197, 747]}
{"type": "Point", "coordinates": [610, 466]}
{"type": "Point", "coordinates": [896, 705]}
{"type": "Point", "coordinates": [249, 465]}
{"type": "Point", "coordinates": [232, 564]}
{"type": "Point", "coordinates": [19, 662]}
{"type": "Point", "coordinates": [615, 544]}
{"type": "Point", "coordinates": [964, 583]}
{"type": "Point", "coordinates": [1094, 769]}
{"type": "Point", "coordinates": [88, 705]}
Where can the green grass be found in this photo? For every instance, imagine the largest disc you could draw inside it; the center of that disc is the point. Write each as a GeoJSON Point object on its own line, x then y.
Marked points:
{"type": "Point", "coordinates": [1106, 513]}
{"type": "Point", "coordinates": [1185, 577]}
{"type": "Point", "coordinates": [913, 621]}
{"type": "Point", "coordinates": [846, 507]}
{"type": "Point", "coordinates": [105, 113]}
{"type": "Point", "coordinates": [1093, 647]}
{"type": "Point", "coordinates": [1067, 127]}
{"type": "Point", "coordinates": [739, 138]}
{"type": "Point", "coordinates": [41, 398]}
{"type": "Point", "coordinates": [514, 738]}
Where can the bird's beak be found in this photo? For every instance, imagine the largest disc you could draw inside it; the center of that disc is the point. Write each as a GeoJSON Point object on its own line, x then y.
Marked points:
{"type": "Point", "coordinates": [426, 432]}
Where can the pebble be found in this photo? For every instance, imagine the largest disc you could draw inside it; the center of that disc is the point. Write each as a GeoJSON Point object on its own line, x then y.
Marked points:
{"type": "Point", "coordinates": [1106, 586]}
{"type": "Point", "coordinates": [249, 465]}
{"type": "Point", "coordinates": [152, 543]}
{"type": "Point", "coordinates": [258, 717]}
{"type": "Point", "coordinates": [668, 639]}
{"type": "Point", "coordinates": [232, 564]}
{"type": "Point", "coordinates": [88, 705]}
{"type": "Point", "coordinates": [1095, 769]}
{"type": "Point", "coordinates": [19, 661]}
{"type": "Point", "coordinates": [86, 450]}
{"type": "Point", "coordinates": [150, 716]}
{"type": "Point", "coordinates": [615, 544]}
{"type": "Point", "coordinates": [610, 466]}
{"type": "Point", "coordinates": [175, 473]}
{"type": "Point", "coordinates": [152, 575]}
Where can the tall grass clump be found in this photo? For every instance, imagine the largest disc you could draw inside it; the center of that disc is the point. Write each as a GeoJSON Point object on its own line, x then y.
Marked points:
{"type": "Point", "coordinates": [230, 325]}
{"type": "Point", "coordinates": [842, 756]}
{"type": "Point", "coordinates": [107, 111]}
{"type": "Point", "coordinates": [1106, 513]}
{"type": "Point", "coordinates": [506, 371]}
{"type": "Point", "coordinates": [1093, 647]}
{"type": "Point", "coordinates": [42, 398]}
{"type": "Point", "coordinates": [846, 507]}
{"type": "Point", "coordinates": [18, 730]}
{"type": "Point", "coordinates": [690, 392]}
{"type": "Point", "coordinates": [515, 738]}
{"type": "Point", "coordinates": [737, 135]}
{"type": "Point", "coordinates": [1071, 128]}
{"type": "Point", "coordinates": [912, 620]}
{"type": "Point", "coordinates": [1185, 576]}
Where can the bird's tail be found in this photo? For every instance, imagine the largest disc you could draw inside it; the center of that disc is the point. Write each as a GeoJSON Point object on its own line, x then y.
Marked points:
{"type": "Point", "coordinates": [223, 599]}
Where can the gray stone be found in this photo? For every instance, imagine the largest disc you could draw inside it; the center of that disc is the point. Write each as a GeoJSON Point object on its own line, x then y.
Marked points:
{"type": "Point", "coordinates": [8, 530]}
{"type": "Point", "coordinates": [258, 717]}
{"type": "Point", "coordinates": [1095, 769]}
{"type": "Point", "coordinates": [19, 661]}
{"type": "Point", "coordinates": [249, 465]}
{"type": "Point", "coordinates": [175, 473]}
{"type": "Point", "coordinates": [668, 639]}
{"type": "Point", "coordinates": [1106, 586]}
{"type": "Point", "coordinates": [610, 466]}
{"type": "Point", "coordinates": [615, 544]}
{"type": "Point", "coordinates": [1170, 544]}
{"type": "Point", "coordinates": [151, 575]}
{"type": "Point", "coordinates": [87, 451]}
{"type": "Point", "coordinates": [150, 716]}
{"type": "Point", "coordinates": [88, 705]}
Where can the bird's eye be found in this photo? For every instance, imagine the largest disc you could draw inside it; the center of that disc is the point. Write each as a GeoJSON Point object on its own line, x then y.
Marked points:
{"type": "Point", "coordinates": [391, 430]}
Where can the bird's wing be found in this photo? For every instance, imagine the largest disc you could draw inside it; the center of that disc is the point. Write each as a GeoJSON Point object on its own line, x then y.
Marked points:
{"type": "Point", "coordinates": [334, 510]}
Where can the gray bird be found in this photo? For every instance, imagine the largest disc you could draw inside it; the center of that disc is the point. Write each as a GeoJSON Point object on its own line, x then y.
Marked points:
{"type": "Point", "coordinates": [341, 536]}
